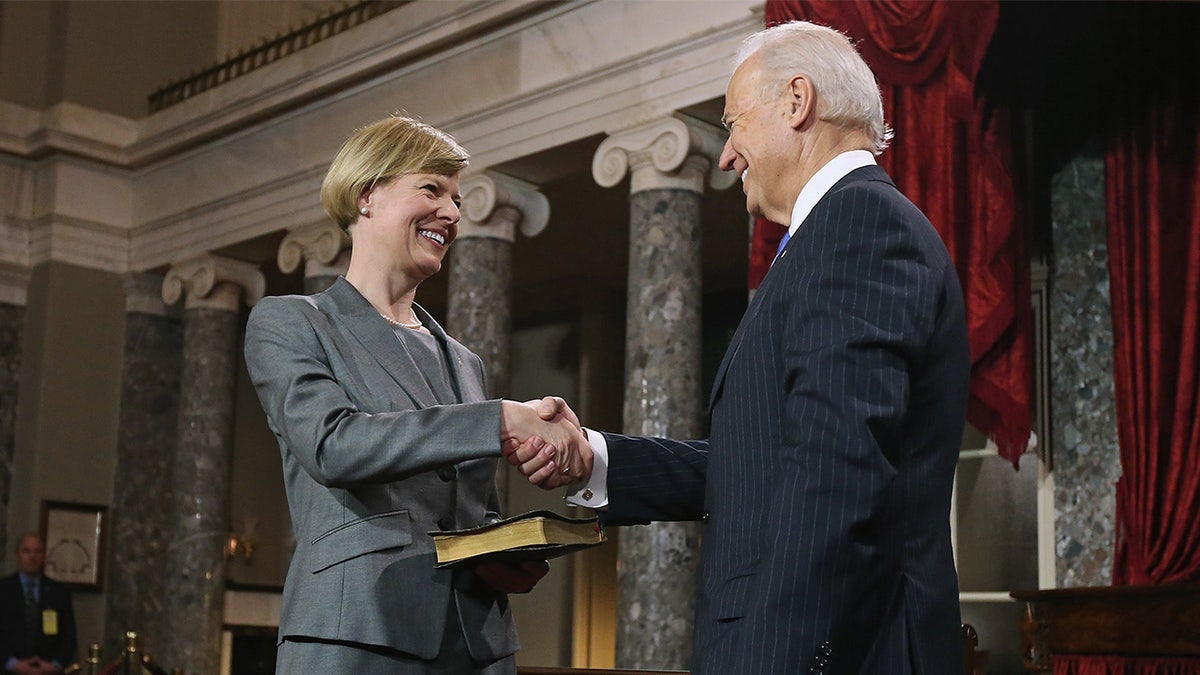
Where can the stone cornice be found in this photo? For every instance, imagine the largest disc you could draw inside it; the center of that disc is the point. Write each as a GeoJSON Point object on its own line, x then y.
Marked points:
{"type": "Point", "coordinates": [79, 242]}
{"type": "Point", "coordinates": [287, 203]}
{"type": "Point", "coordinates": [403, 36]}
{"type": "Point", "coordinates": [246, 159]}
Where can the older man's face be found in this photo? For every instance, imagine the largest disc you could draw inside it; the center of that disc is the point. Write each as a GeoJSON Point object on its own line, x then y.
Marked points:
{"type": "Point", "coordinates": [31, 555]}
{"type": "Point", "coordinates": [758, 144]}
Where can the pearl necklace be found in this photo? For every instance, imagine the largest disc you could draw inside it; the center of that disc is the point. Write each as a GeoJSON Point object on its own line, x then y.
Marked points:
{"type": "Point", "coordinates": [415, 325]}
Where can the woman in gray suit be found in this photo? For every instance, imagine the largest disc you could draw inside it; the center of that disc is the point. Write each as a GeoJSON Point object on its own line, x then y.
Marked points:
{"type": "Point", "coordinates": [386, 434]}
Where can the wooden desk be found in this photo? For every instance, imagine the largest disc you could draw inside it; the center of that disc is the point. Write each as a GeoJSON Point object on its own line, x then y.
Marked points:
{"type": "Point", "coordinates": [1131, 621]}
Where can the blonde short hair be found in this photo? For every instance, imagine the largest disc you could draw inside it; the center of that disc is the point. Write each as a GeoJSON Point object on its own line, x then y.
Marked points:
{"type": "Point", "coordinates": [380, 152]}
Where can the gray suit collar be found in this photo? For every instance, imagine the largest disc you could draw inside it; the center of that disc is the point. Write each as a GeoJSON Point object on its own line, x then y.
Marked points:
{"type": "Point", "coordinates": [346, 306]}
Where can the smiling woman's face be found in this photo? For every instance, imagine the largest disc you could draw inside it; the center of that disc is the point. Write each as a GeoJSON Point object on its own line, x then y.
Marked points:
{"type": "Point", "coordinates": [414, 218]}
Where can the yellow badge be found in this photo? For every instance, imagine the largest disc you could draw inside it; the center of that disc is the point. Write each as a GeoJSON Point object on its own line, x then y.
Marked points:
{"type": "Point", "coordinates": [49, 622]}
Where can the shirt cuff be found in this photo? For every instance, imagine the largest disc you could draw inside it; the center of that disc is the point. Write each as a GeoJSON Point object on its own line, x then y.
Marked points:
{"type": "Point", "coordinates": [594, 493]}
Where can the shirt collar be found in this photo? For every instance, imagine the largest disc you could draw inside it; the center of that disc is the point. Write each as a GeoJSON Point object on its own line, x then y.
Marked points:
{"type": "Point", "coordinates": [824, 179]}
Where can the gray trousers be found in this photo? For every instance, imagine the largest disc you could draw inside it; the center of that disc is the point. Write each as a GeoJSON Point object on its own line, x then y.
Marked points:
{"type": "Point", "coordinates": [299, 655]}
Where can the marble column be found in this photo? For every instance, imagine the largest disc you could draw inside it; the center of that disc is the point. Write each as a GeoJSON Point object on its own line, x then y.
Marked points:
{"type": "Point", "coordinates": [324, 248]}
{"type": "Point", "coordinates": [136, 568]}
{"type": "Point", "coordinates": [479, 296]}
{"type": "Point", "coordinates": [1087, 459]}
{"type": "Point", "coordinates": [193, 600]}
{"type": "Point", "coordinates": [13, 284]}
{"type": "Point", "coordinates": [668, 161]}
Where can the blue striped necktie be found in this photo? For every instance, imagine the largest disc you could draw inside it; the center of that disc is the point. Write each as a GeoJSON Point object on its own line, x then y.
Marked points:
{"type": "Point", "coordinates": [787, 236]}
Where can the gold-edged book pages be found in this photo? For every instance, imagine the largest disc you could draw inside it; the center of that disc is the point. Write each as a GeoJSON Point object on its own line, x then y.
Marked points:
{"type": "Point", "coordinates": [532, 535]}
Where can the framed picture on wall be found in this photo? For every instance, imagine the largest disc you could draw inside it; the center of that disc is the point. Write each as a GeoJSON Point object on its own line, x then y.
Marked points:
{"type": "Point", "coordinates": [74, 535]}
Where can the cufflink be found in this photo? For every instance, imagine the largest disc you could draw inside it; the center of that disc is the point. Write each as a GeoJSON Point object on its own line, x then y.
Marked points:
{"type": "Point", "coordinates": [587, 495]}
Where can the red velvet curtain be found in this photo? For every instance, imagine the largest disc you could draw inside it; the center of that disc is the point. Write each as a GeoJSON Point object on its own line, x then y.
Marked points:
{"type": "Point", "coordinates": [950, 159]}
{"type": "Point", "coordinates": [1071, 664]}
{"type": "Point", "coordinates": [1152, 184]}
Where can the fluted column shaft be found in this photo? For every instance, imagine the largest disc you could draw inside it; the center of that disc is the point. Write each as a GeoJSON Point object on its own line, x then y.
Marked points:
{"type": "Point", "coordinates": [136, 568]}
{"type": "Point", "coordinates": [200, 476]}
{"type": "Point", "coordinates": [668, 161]}
{"type": "Point", "coordinates": [480, 287]}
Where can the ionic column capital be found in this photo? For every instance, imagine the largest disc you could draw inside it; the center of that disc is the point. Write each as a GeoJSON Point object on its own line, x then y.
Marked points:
{"type": "Point", "coordinates": [213, 282]}
{"type": "Point", "coordinates": [495, 205]}
{"type": "Point", "coordinates": [671, 153]}
{"type": "Point", "coordinates": [319, 246]}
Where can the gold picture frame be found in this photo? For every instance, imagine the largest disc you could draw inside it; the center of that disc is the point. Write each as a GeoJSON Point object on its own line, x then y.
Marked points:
{"type": "Point", "coordinates": [74, 536]}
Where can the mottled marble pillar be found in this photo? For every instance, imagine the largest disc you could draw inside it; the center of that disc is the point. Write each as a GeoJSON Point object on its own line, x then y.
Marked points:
{"type": "Point", "coordinates": [324, 249]}
{"type": "Point", "coordinates": [193, 600]}
{"type": "Point", "coordinates": [136, 567]}
{"type": "Point", "coordinates": [13, 284]}
{"type": "Point", "coordinates": [668, 161]}
{"type": "Point", "coordinates": [1087, 459]}
{"type": "Point", "coordinates": [480, 287]}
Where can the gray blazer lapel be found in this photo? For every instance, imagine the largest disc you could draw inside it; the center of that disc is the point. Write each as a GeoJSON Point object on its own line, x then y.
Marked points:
{"type": "Point", "coordinates": [444, 340]}
{"type": "Point", "coordinates": [352, 311]}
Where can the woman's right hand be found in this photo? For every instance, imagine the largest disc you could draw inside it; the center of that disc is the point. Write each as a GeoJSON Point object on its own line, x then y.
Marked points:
{"type": "Point", "coordinates": [550, 452]}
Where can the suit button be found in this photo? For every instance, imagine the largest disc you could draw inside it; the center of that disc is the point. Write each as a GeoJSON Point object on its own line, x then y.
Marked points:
{"type": "Point", "coordinates": [445, 524]}
{"type": "Point", "coordinates": [448, 473]}
{"type": "Point", "coordinates": [704, 517]}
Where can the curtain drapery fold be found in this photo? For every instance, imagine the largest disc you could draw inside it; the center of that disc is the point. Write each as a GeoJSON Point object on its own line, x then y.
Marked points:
{"type": "Point", "coordinates": [1152, 184]}
{"type": "Point", "coordinates": [1084, 664]}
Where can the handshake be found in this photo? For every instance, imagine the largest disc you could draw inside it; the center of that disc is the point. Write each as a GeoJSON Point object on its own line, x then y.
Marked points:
{"type": "Point", "coordinates": [544, 440]}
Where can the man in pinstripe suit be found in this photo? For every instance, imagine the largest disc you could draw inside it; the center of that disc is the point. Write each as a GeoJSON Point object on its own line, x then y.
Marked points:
{"type": "Point", "coordinates": [838, 410]}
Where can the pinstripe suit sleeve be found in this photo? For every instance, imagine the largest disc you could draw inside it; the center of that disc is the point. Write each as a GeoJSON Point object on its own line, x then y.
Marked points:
{"type": "Point", "coordinates": [654, 479]}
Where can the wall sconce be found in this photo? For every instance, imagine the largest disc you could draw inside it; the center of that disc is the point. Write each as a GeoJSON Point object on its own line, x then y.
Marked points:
{"type": "Point", "coordinates": [242, 540]}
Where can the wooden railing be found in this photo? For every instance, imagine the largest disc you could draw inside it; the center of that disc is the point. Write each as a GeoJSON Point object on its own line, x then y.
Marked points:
{"type": "Point", "coordinates": [246, 61]}
{"type": "Point", "coordinates": [1113, 621]}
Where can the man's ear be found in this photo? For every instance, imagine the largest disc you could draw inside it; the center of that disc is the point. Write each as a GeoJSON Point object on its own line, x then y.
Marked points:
{"type": "Point", "coordinates": [802, 100]}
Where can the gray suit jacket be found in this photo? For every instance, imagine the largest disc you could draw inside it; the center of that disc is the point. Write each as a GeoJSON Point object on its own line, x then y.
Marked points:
{"type": "Point", "coordinates": [371, 464]}
{"type": "Point", "coordinates": [837, 415]}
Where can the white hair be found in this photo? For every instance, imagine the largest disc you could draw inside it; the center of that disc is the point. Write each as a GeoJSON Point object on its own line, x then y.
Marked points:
{"type": "Point", "coordinates": [847, 93]}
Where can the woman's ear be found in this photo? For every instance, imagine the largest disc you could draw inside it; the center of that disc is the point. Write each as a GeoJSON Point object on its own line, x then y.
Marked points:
{"type": "Point", "coordinates": [364, 202]}
{"type": "Point", "coordinates": [803, 101]}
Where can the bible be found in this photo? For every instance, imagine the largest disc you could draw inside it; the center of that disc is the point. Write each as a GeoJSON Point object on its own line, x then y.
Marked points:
{"type": "Point", "coordinates": [532, 535]}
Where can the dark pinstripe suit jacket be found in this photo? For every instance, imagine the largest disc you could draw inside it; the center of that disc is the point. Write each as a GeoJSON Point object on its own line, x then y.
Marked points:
{"type": "Point", "coordinates": [837, 415]}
